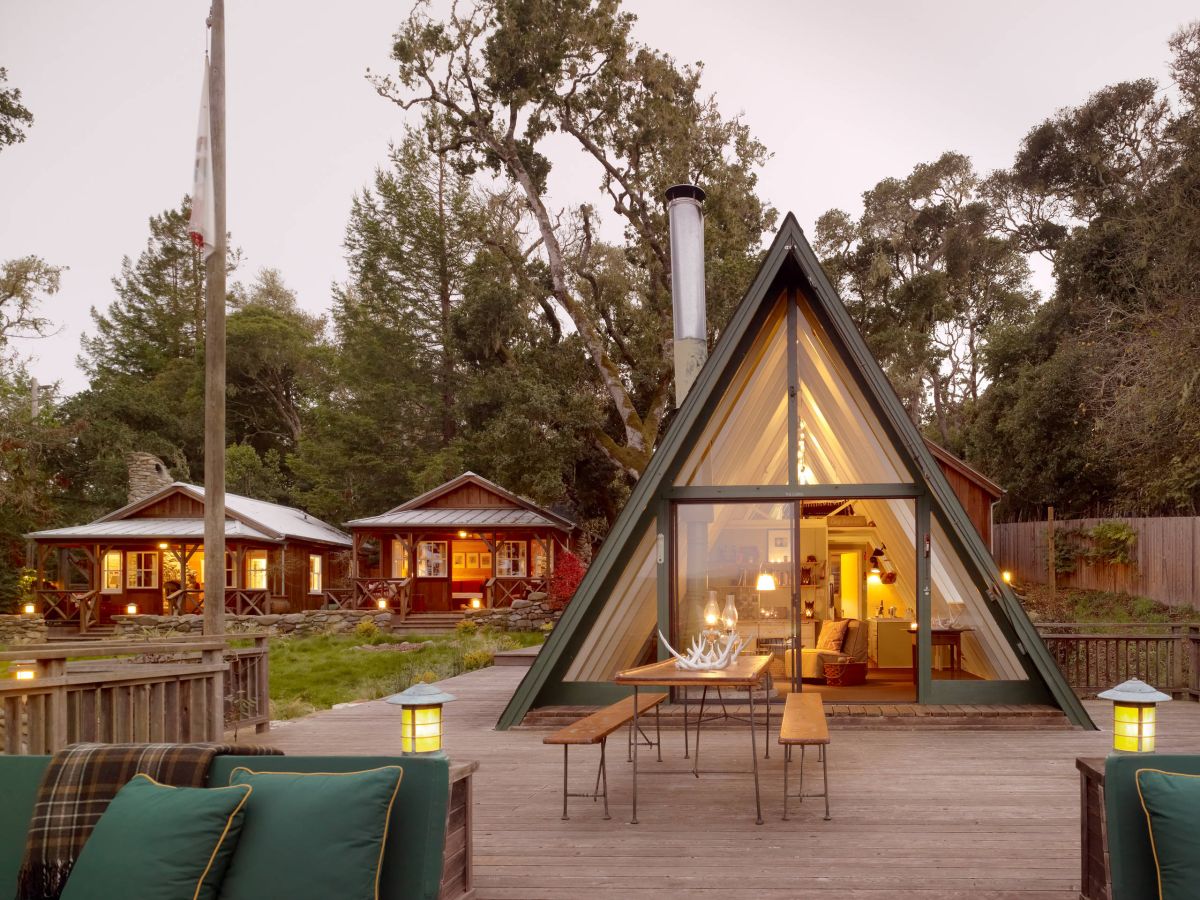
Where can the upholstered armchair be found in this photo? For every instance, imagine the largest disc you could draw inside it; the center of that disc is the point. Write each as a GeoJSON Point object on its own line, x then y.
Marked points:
{"type": "Point", "coordinates": [813, 659]}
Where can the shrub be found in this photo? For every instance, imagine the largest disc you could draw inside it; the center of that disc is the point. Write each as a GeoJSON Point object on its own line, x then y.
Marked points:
{"type": "Point", "coordinates": [476, 659]}
{"type": "Point", "coordinates": [427, 677]}
{"type": "Point", "coordinates": [366, 629]}
{"type": "Point", "coordinates": [466, 627]}
{"type": "Point", "coordinates": [568, 572]}
{"type": "Point", "coordinates": [547, 627]}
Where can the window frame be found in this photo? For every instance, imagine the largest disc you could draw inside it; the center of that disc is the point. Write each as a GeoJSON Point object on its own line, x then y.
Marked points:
{"type": "Point", "coordinates": [423, 560]}
{"type": "Point", "coordinates": [253, 556]}
{"type": "Point", "coordinates": [318, 571]}
{"type": "Point", "coordinates": [136, 566]}
{"type": "Point", "coordinates": [504, 560]}
{"type": "Point", "coordinates": [105, 571]}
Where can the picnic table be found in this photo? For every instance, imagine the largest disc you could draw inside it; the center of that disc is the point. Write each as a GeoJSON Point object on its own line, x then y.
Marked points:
{"type": "Point", "coordinates": [745, 673]}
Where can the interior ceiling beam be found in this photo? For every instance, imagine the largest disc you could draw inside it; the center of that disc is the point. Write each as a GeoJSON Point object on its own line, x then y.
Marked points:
{"type": "Point", "coordinates": [769, 492]}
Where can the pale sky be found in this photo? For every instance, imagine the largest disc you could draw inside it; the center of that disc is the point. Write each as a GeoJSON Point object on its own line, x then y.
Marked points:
{"type": "Point", "coordinates": [842, 93]}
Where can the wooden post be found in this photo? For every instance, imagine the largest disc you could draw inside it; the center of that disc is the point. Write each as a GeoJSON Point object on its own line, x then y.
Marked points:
{"type": "Point", "coordinates": [1050, 553]}
{"type": "Point", "coordinates": [214, 344]}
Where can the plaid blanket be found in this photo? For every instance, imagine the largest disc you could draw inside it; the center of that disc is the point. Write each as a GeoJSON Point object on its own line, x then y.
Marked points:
{"type": "Point", "coordinates": [78, 785]}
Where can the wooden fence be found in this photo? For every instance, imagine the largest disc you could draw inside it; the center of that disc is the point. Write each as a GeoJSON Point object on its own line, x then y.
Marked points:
{"type": "Point", "coordinates": [1096, 657]}
{"type": "Point", "coordinates": [172, 690]}
{"type": "Point", "coordinates": [1164, 568]}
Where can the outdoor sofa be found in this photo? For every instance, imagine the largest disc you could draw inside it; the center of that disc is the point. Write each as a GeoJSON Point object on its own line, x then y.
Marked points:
{"type": "Point", "coordinates": [1117, 857]}
{"type": "Point", "coordinates": [417, 855]}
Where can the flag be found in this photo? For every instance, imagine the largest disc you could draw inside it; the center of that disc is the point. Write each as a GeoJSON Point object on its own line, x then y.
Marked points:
{"type": "Point", "coordinates": [202, 226]}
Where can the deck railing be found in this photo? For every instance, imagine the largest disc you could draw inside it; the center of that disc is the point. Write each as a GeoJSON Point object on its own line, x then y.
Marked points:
{"type": "Point", "coordinates": [396, 594]}
{"type": "Point", "coordinates": [504, 589]}
{"type": "Point", "coordinates": [171, 690]}
{"type": "Point", "coordinates": [1095, 657]}
{"type": "Point", "coordinates": [69, 606]}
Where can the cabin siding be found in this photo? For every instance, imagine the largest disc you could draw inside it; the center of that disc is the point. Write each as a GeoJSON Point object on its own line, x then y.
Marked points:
{"type": "Point", "coordinates": [470, 496]}
{"type": "Point", "coordinates": [173, 506]}
{"type": "Point", "coordinates": [975, 500]}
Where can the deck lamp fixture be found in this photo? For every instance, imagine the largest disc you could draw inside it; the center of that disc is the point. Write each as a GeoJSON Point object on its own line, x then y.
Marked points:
{"type": "Point", "coordinates": [421, 719]}
{"type": "Point", "coordinates": [131, 609]}
{"type": "Point", "coordinates": [1134, 705]}
{"type": "Point", "coordinates": [29, 609]}
{"type": "Point", "coordinates": [25, 671]}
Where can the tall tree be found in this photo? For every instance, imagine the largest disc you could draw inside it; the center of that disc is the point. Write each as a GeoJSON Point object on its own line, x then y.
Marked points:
{"type": "Point", "coordinates": [503, 76]}
{"type": "Point", "coordinates": [14, 116]}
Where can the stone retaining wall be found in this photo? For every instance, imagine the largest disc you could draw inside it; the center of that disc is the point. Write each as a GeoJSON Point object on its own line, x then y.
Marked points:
{"type": "Point", "coordinates": [22, 630]}
{"type": "Point", "coordinates": [524, 615]}
{"type": "Point", "coordinates": [315, 621]}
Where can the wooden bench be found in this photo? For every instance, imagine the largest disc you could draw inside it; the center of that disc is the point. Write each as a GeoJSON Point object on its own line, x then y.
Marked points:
{"type": "Point", "coordinates": [804, 725]}
{"type": "Point", "coordinates": [595, 729]}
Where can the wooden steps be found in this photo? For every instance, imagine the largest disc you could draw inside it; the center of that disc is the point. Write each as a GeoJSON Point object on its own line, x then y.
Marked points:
{"type": "Point", "coordinates": [428, 623]}
{"type": "Point", "coordinates": [523, 656]}
{"type": "Point", "coordinates": [71, 633]}
{"type": "Point", "coordinates": [866, 716]}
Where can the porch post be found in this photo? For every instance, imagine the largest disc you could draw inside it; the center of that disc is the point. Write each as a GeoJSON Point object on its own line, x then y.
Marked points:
{"type": "Point", "coordinates": [355, 545]}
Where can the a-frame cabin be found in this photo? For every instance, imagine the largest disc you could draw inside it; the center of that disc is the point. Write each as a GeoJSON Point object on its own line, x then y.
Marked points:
{"type": "Point", "coordinates": [792, 482]}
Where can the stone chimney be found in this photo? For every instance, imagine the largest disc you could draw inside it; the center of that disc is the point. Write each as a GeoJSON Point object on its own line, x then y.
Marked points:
{"type": "Point", "coordinates": [147, 474]}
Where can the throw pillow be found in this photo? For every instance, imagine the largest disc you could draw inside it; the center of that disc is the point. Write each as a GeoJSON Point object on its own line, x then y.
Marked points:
{"type": "Point", "coordinates": [833, 634]}
{"type": "Point", "coordinates": [1171, 802]}
{"type": "Point", "coordinates": [312, 834]}
{"type": "Point", "coordinates": [157, 842]}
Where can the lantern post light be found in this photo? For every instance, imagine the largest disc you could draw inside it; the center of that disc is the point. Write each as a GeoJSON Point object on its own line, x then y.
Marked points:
{"type": "Point", "coordinates": [476, 603]}
{"type": "Point", "coordinates": [131, 609]}
{"type": "Point", "coordinates": [421, 719]}
{"type": "Point", "coordinates": [25, 671]}
{"type": "Point", "coordinates": [381, 603]}
{"type": "Point", "coordinates": [29, 609]}
{"type": "Point", "coordinates": [1134, 705]}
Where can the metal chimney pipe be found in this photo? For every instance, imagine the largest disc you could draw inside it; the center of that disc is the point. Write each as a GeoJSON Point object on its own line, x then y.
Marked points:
{"type": "Point", "coordinates": [685, 212]}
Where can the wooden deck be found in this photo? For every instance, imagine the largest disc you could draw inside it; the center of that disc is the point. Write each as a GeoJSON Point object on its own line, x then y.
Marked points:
{"type": "Point", "coordinates": [919, 814]}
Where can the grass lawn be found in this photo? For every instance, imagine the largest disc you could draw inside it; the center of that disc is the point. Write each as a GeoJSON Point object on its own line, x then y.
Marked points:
{"type": "Point", "coordinates": [312, 673]}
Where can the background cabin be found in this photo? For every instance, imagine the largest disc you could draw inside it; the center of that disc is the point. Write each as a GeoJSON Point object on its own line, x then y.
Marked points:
{"type": "Point", "coordinates": [148, 557]}
{"type": "Point", "coordinates": [467, 543]}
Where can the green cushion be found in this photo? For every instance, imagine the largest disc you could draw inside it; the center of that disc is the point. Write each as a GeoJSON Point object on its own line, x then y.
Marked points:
{"type": "Point", "coordinates": [312, 834]}
{"type": "Point", "coordinates": [1171, 801]}
{"type": "Point", "coordinates": [156, 842]}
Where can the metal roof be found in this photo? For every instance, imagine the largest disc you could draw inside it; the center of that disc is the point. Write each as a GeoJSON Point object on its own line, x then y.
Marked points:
{"type": "Point", "coordinates": [150, 528]}
{"type": "Point", "coordinates": [248, 518]}
{"type": "Point", "coordinates": [445, 517]}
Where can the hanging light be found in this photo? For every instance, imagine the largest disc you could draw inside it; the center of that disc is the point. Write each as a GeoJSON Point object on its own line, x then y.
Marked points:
{"type": "Point", "coordinates": [421, 719]}
{"type": "Point", "coordinates": [1134, 705]}
{"type": "Point", "coordinates": [874, 578]}
{"type": "Point", "coordinates": [766, 582]}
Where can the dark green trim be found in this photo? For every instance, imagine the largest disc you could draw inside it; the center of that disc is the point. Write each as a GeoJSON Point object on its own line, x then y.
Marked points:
{"type": "Point", "coordinates": [700, 493]}
{"type": "Point", "coordinates": [778, 274]}
{"type": "Point", "coordinates": [924, 600]}
{"type": "Point", "coordinates": [665, 566]}
{"type": "Point", "coordinates": [583, 693]}
{"type": "Point", "coordinates": [945, 693]}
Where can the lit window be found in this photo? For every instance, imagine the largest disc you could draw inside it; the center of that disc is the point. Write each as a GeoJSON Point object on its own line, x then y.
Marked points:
{"type": "Point", "coordinates": [510, 559]}
{"type": "Point", "coordinates": [314, 573]}
{"type": "Point", "coordinates": [141, 570]}
{"type": "Point", "coordinates": [111, 578]}
{"type": "Point", "coordinates": [541, 560]}
{"type": "Point", "coordinates": [256, 570]}
{"type": "Point", "coordinates": [399, 559]}
{"type": "Point", "coordinates": [431, 559]}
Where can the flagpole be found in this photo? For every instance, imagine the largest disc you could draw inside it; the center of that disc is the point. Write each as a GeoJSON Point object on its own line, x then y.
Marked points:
{"type": "Point", "coordinates": [214, 345]}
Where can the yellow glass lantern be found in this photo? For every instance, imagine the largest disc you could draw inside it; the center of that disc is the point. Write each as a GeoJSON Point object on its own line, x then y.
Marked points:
{"type": "Point", "coordinates": [421, 719]}
{"type": "Point", "coordinates": [1134, 705]}
{"type": "Point", "coordinates": [29, 609]}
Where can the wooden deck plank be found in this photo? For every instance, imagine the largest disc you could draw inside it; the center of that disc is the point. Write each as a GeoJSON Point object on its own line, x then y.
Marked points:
{"type": "Point", "coordinates": [923, 814]}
